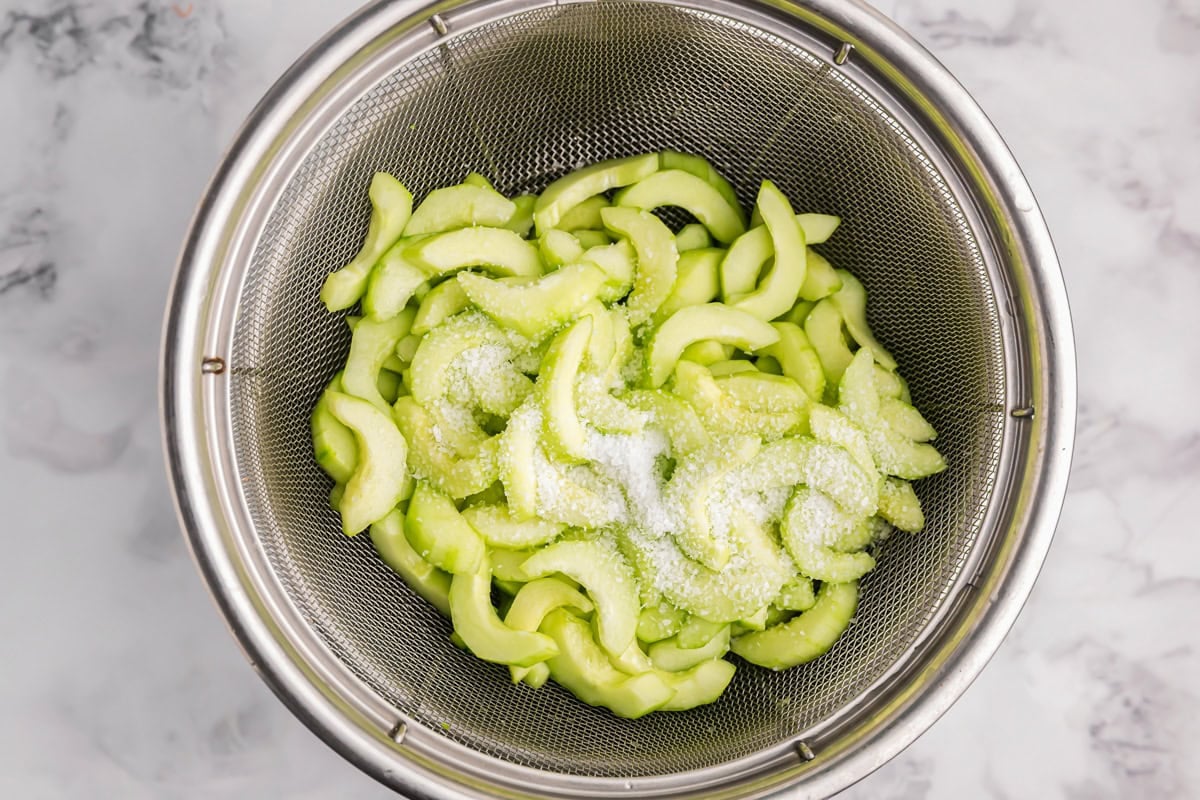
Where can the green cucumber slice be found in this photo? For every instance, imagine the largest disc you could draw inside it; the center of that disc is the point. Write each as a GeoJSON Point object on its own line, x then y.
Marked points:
{"type": "Point", "coordinates": [682, 189]}
{"type": "Point", "coordinates": [381, 473]}
{"type": "Point", "coordinates": [805, 637]}
{"type": "Point", "coordinates": [657, 259]}
{"type": "Point", "coordinates": [391, 206]}
{"type": "Point", "coordinates": [498, 250]}
{"type": "Point", "coordinates": [388, 537]}
{"type": "Point", "coordinates": [481, 629]}
{"type": "Point", "coordinates": [462, 206]}
{"type": "Point", "coordinates": [440, 534]}
{"type": "Point", "coordinates": [778, 290]}
{"type": "Point", "coordinates": [711, 321]}
{"type": "Point", "coordinates": [570, 190]}
{"type": "Point", "coordinates": [536, 309]}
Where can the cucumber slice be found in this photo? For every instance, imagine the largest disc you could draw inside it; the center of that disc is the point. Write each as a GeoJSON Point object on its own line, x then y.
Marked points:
{"type": "Point", "coordinates": [692, 237]}
{"type": "Point", "coordinates": [657, 259]}
{"type": "Point", "coordinates": [658, 622]}
{"type": "Point", "coordinates": [805, 637]}
{"type": "Point", "coordinates": [674, 416]}
{"type": "Point", "coordinates": [616, 261]}
{"type": "Point", "coordinates": [905, 420]}
{"type": "Point", "coordinates": [744, 261]}
{"type": "Point", "coordinates": [820, 278]}
{"type": "Point", "coordinates": [682, 189]}
{"type": "Point", "coordinates": [481, 629]}
{"type": "Point", "coordinates": [707, 352]}
{"type": "Point", "coordinates": [669, 655]}
{"type": "Point", "coordinates": [756, 621]}
{"type": "Point", "coordinates": [797, 595]}
{"type": "Point", "coordinates": [443, 302]}
{"type": "Point", "coordinates": [700, 685]}
{"type": "Point", "coordinates": [455, 476]}
{"type": "Point", "coordinates": [461, 206]}
{"type": "Point", "coordinates": [529, 608]}
{"type": "Point", "coordinates": [750, 253]}
{"type": "Point", "coordinates": [422, 577]}
{"type": "Point", "coordinates": [833, 427]}
{"type": "Point", "coordinates": [380, 475]}
{"type": "Point", "coordinates": [748, 582]}
{"type": "Point", "coordinates": [698, 632]}
{"type": "Point", "coordinates": [558, 248]}
{"type": "Point", "coordinates": [393, 283]}
{"type": "Point", "coordinates": [430, 374]}
{"type": "Point", "coordinates": [498, 528]}
{"type": "Point", "coordinates": [898, 504]}
{"type": "Point", "coordinates": [798, 359]}
{"type": "Point", "coordinates": [564, 432]}
{"type": "Point", "coordinates": [584, 215]}
{"type": "Point", "coordinates": [608, 579]}
{"type": "Point", "coordinates": [761, 392]}
{"type": "Point", "coordinates": [721, 369]}
{"type": "Point", "coordinates": [701, 168]}
{"type": "Point", "coordinates": [498, 250]}
{"type": "Point", "coordinates": [583, 669]}
{"type": "Point", "coordinates": [826, 468]}
{"type": "Point", "coordinates": [535, 309]}
{"type": "Point", "coordinates": [695, 479]}
{"type": "Point", "coordinates": [518, 453]}
{"type": "Point", "coordinates": [722, 416]}
{"type": "Point", "coordinates": [521, 221]}
{"type": "Point", "coordinates": [890, 384]}
{"type": "Point", "coordinates": [895, 454]}
{"type": "Point", "coordinates": [592, 238]}
{"type": "Point", "coordinates": [475, 179]}
{"type": "Point", "coordinates": [333, 443]}
{"type": "Point", "coordinates": [798, 313]}
{"type": "Point", "coordinates": [851, 301]}
{"type": "Point", "coordinates": [370, 346]}
{"type": "Point", "coordinates": [823, 326]}
{"type": "Point", "coordinates": [778, 290]}
{"type": "Point", "coordinates": [712, 321]}
{"type": "Point", "coordinates": [391, 206]}
{"type": "Point", "coordinates": [768, 364]}
{"type": "Point", "coordinates": [818, 227]}
{"type": "Point", "coordinates": [811, 524]}
{"type": "Point", "coordinates": [440, 535]}
{"type": "Point", "coordinates": [697, 282]}
{"type": "Point", "coordinates": [571, 190]}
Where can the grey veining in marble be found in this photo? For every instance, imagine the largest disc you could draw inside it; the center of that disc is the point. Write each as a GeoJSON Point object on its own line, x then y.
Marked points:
{"type": "Point", "coordinates": [118, 677]}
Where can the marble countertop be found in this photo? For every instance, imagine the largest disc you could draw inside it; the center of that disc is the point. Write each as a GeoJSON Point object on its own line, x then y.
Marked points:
{"type": "Point", "coordinates": [115, 113]}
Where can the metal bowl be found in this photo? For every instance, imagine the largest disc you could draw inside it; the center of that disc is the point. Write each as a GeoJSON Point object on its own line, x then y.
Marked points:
{"type": "Point", "coordinates": [825, 97]}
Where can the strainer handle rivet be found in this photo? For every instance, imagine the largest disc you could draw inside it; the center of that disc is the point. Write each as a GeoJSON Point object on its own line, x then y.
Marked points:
{"type": "Point", "coordinates": [398, 732]}
{"type": "Point", "coordinates": [1022, 412]}
{"type": "Point", "coordinates": [843, 53]}
{"type": "Point", "coordinates": [212, 365]}
{"type": "Point", "coordinates": [439, 24]}
{"type": "Point", "coordinates": [804, 751]}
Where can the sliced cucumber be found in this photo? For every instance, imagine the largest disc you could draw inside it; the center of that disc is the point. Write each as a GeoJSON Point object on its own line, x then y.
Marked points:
{"type": "Point", "coordinates": [498, 528]}
{"type": "Point", "coordinates": [692, 237]}
{"type": "Point", "coordinates": [697, 282]}
{"type": "Point", "coordinates": [712, 321]}
{"type": "Point", "coordinates": [657, 259]}
{"type": "Point", "coordinates": [608, 579]}
{"type": "Point", "coordinates": [565, 434]}
{"type": "Point", "coordinates": [538, 308]}
{"type": "Point", "coordinates": [778, 290]}
{"type": "Point", "coordinates": [481, 629]}
{"type": "Point", "coordinates": [391, 206]}
{"type": "Point", "coordinates": [498, 250]}
{"type": "Point", "coordinates": [440, 535]}
{"type": "Point", "coordinates": [462, 206]}
{"type": "Point", "coordinates": [570, 190]}
{"type": "Point", "coordinates": [805, 637]}
{"type": "Point", "coordinates": [682, 189]}
{"type": "Point", "coordinates": [424, 578]}
{"type": "Point", "coordinates": [381, 473]}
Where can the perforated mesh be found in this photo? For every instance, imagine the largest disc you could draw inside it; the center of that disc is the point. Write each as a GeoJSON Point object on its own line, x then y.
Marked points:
{"type": "Point", "coordinates": [523, 100]}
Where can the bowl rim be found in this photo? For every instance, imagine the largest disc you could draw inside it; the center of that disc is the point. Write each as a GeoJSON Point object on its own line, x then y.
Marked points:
{"type": "Point", "coordinates": [1040, 428]}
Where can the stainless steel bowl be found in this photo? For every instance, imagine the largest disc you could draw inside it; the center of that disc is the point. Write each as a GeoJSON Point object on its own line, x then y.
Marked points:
{"type": "Point", "coordinates": [825, 97]}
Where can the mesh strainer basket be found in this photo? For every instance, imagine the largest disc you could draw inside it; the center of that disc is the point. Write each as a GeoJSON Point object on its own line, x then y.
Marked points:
{"type": "Point", "coordinates": [824, 97]}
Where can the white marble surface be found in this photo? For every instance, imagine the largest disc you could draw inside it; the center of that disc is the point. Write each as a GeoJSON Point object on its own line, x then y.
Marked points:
{"type": "Point", "coordinates": [120, 681]}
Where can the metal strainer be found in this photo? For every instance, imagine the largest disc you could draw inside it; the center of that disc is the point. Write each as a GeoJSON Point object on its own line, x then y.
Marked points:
{"type": "Point", "coordinates": [824, 97]}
